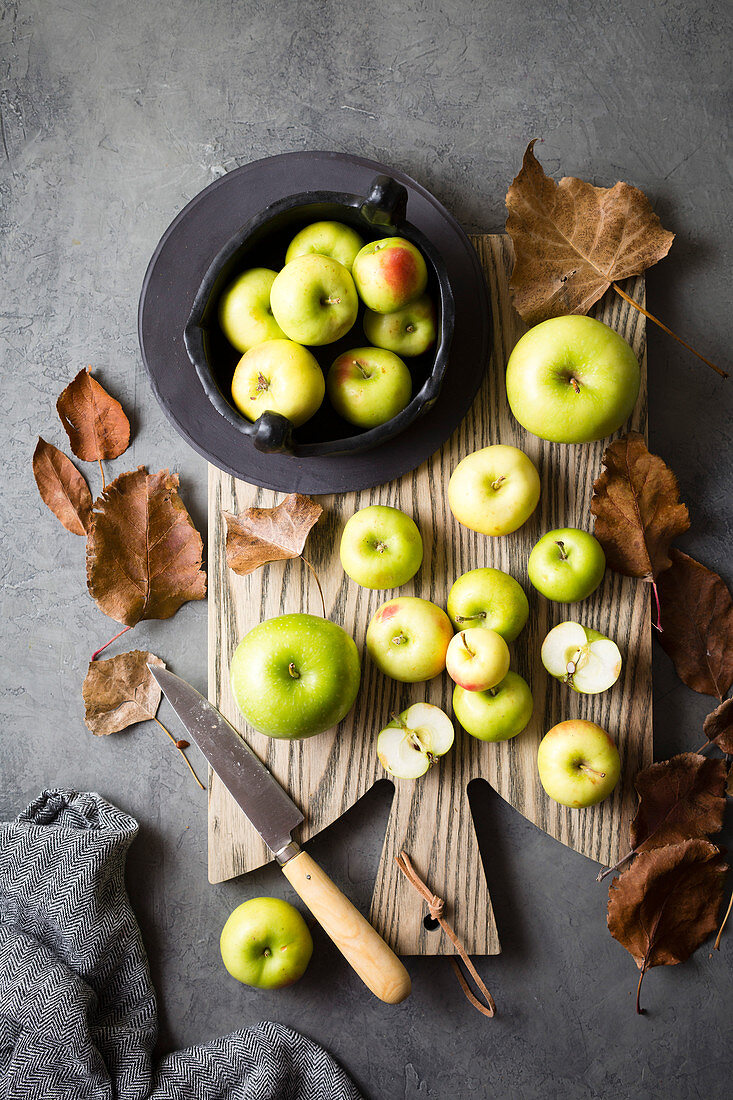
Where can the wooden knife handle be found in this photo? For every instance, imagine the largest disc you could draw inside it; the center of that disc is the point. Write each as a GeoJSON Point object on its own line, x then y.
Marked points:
{"type": "Point", "coordinates": [360, 944]}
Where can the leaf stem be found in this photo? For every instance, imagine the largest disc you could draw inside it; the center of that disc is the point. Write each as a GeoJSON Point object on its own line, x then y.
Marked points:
{"type": "Point", "coordinates": [103, 647]}
{"type": "Point", "coordinates": [609, 870]}
{"type": "Point", "coordinates": [658, 624]}
{"type": "Point", "coordinates": [315, 577]}
{"type": "Point", "coordinates": [101, 470]}
{"type": "Point", "coordinates": [703, 747]}
{"type": "Point", "coordinates": [626, 298]}
{"type": "Point", "coordinates": [639, 1009]}
{"type": "Point", "coordinates": [716, 945]}
{"type": "Point", "coordinates": [190, 765]}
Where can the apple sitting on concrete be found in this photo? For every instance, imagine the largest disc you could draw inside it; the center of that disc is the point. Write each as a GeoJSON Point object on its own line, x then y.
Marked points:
{"type": "Point", "coordinates": [389, 274]}
{"type": "Point", "coordinates": [314, 300]}
{"type": "Point", "coordinates": [381, 547]}
{"type": "Point", "coordinates": [266, 943]}
{"type": "Point", "coordinates": [334, 239]}
{"type": "Point", "coordinates": [497, 714]}
{"type": "Point", "coordinates": [567, 565]}
{"type": "Point", "coordinates": [244, 310]}
{"type": "Point", "coordinates": [488, 597]}
{"type": "Point", "coordinates": [494, 490]}
{"type": "Point", "coordinates": [415, 740]}
{"type": "Point", "coordinates": [408, 331]}
{"type": "Point", "coordinates": [477, 658]}
{"type": "Point", "coordinates": [295, 676]}
{"type": "Point", "coordinates": [369, 386]}
{"type": "Point", "coordinates": [578, 763]}
{"type": "Point", "coordinates": [407, 639]}
{"type": "Point", "coordinates": [572, 380]}
{"type": "Point", "coordinates": [585, 660]}
{"type": "Point", "coordinates": [278, 376]}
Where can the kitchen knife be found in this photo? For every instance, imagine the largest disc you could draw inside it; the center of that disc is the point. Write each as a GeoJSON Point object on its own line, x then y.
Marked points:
{"type": "Point", "coordinates": [274, 815]}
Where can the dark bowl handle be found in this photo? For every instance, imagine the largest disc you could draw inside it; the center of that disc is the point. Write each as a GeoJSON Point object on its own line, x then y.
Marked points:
{"type": "Point", "coordinates": [386, 202]}
{"type": "Point", "coordinates": [273, 432]}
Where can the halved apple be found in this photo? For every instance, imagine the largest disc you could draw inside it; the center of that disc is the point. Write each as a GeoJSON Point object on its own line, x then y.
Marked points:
{"type": "Point", "coordinates": [582, 658]}
{"type": "Point", "coordinates": [414, 741]}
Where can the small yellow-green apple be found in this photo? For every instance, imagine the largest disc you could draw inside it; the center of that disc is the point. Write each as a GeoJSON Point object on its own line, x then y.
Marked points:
{"type": "Point", "coordinates": [488, 597]}
{"type": "Point", "coordinates": [381, 547]}
{"type": "Point", "coordinates": [244, 310]}
{"type": "Point", "coordinates": [389, 274]}
{"type": "Point", "coordinates": [407, 639]}
{"type": "Point", "coordinates": [585, 660]}
{"type": "Point", "coordinates": [567, 565]}
{"type": "Point", "coordinates": [334, 239]}
{"type": "Point", "coordinates": [266, 943]}
{"type": "Point", "coordinates": [496, 714]}
{"type": "Point", "coordinates": [295, 675]}
{"type": "Point", "coordinates": [477, 658]}
{"type": "Point", "coordinates": [415, 740]}
{"type": "Point", "coordinates": [578, 763]}
{"type": "Point", "coordinates": [368, 386]}
{"type": "Point", "coordinates": [314, 300]}
{"type": "Point", "coordinates": [494, 490]}
{"type": "Point", "coordinates": [278, 376]}
{"type": "Point", "coordinates": [408, 331]}
{"type": "Point", "coordinates": [572, 380]}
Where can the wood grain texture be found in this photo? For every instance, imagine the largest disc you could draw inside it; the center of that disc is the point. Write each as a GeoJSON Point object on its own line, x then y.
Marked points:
{"type": "Point", "coordinates": [431, 818]}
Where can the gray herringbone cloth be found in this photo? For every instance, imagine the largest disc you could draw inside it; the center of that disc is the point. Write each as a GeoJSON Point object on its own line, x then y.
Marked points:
{"type": "Point", "coordinates": [77, 1006]}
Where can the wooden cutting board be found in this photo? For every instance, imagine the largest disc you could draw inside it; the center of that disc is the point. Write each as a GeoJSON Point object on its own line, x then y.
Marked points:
{"type": "Point", "coordinates": [431, 818]}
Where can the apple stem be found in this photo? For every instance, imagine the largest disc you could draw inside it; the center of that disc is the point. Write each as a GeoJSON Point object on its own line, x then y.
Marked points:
{"type": "Point", "coordinates": [318, 583]}
{"type": "Point", "coordinates": [591, 771]}
{"type": "Point", "coordinates": [463, 639]}
{"type": "Point", "coordinates": [409, 328]}
{"type": "Point", "coordinates": [561, 546]}
{"type": "Point", "coordinates": [658, 624]}
{"type": "Point", "coordinates": [293, 671]}
{"type": "Point", "coordinates": [331, 301]}
{"type": "Point", "coordinates": [470, 618]}
{"type": "Point", "coordinates": [574, 384]}
{"type": "Point", "coordinates": [639, 1009]}
{"type": "Point", "coordinates": [497, 483]}
{"type": "Point", "coordinates": [716, 945]}
{"type": "Point", "coordinates": [364, 372]}
{"type": "Point", "coordinates": [493, 691]}
{"type": "Point", "coordinates": [103, 647]}
{"type": "Point", "coordinates": [399, 639]}
{"type": "Point", "coordinates": [180, 746]}
{"type": "Point", "coordinates": [626, 298]}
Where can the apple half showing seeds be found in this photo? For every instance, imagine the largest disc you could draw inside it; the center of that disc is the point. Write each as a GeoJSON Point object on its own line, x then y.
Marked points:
{"type": "Point", "coordinates": [582, 658]}
{"type": "Point", "coordinates": [415, 740]}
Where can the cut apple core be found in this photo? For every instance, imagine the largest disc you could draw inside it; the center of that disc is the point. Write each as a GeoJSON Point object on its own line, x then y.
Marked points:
{"type": "Point", "coordinates": [415, 740]}
{"type": "Point", "coordinates": [581, 658]}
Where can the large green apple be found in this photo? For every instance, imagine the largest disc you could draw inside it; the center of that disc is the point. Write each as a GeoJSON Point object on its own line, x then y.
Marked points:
{"type": "Point", "coordinates": [381, 547]}
{"type": "Point", "coordinates": [368, 386]}
{"type": "Point", "coordinates": [278, 376]}
{"type": "Point", "coordinates": [572, 380]}
{"type": "Point", "coordinates": [295, 675]}
{"type": "Point", "coordinates": [408, 638]}
{"type": "Point", "coordinates": [266, 943]}
{"type": "Point", "coordinates": [334, 239]}
{"type": "Point", "coordinates": [408, 331]}
{"type": "Point", "coordinates": [497, 714]}
{"type": "Point", "coordinates": [389, 274]}
{"type": "Point", "coordinates": [314, 300]}
{"type": "Point", "coordinates": [244, 310]}
{"type": "Point", "coordinates": [578, 763]}
{"type": "Point", "coordinates": [488, 597]}
{"type": "Point", "coordinates": [567, 565]}
{"type": "Point", "coordinates": [494, 490]}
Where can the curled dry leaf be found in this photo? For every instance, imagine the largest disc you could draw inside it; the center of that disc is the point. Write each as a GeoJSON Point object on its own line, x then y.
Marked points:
{"type": "Point", "coordinates": [697, 609]}
{"type": "Point", "coordinates": [718, 726]}
{"type": "Point", "coordinates": [573, 240]}
{"type": "Point", "coordinates": [143, 553]}
{"type": "Point", "coordinates": [120, 692]}
{"type": "Point", "coordinates": [637, 509]}
{"type": "Point", "coordinates": [667, 903]}
{"type": "Point", "coordinates": [260, 535]}
{"type": "Point", "coordinates": [63, 489]}
{"type": "Point", "coordinates": [95, 423]}
{"type": "Point", "coordinates": [678, 799]}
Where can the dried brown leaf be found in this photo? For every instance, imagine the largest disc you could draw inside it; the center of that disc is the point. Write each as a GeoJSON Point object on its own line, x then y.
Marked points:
{"type": "Point", "coordinates": [63, 489]}
{"type": "Point", "coordinates": [573, 240]}
{"type": "Point", "coordinates": [697, 612]}
{"type": "Point", "coordinates": [120, 692]}
{"type": "Point", "coordinates": [637, 508]}
{"type": "Point", "coordinates": [143, 553]}
{"type": "Point", "coordinates": [679, 799]}
{"type": "Point", "coordinates": [260, 535]}
{"type": "Point", "coordinates": [718, 726]}
{"type": "Point", "coordinates": [95, 423]}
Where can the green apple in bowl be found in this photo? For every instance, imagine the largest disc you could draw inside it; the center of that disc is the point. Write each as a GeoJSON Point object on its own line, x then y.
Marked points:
{"type": "Point", "coordinates": [491, 598]}
{"type": "Point", "coordinates": [244, 310]}
{"type": "Point", "coordinates": [381, 547]}
{"type": "Point", "coordinates": [415, 740]}
{"type": "Point", "coordinates": [389, 274]}
{"type": "Point", "coordinates": [278, 376]}
{"type": "Point", "coordinates": [295, 676]}
{"type": "Point", "coordinates": [368, 386]}
{"type": "Point", "coordinates": [408, 331]}
{"type": "Point", "coordinates": [498, 713]}
{"type": "Point", "coordinates": [266, 943]}
{"type": "Point", "coordinates": [314, 300]}
{"type": "Point", "coordinates": [578, 762]}
{"type": "Point", "coordinates": [407, 639]}
{"type": "Point", "coordinates": [585, 660]}
{"type": "Point", "coordinates": [567, 565]}
{"type": "Point", "coordinates": [477, 658]}
{"type": "Point", "coordinates": [572, 380]}
{"type": "Point", "coordinates": [494, 490]}
{"type": "Point", "coordinates": [334, 239]}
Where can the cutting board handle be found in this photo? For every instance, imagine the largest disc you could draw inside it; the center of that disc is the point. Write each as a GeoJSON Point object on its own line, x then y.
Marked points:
{"type": "Point", "coordinates": [359, 943]}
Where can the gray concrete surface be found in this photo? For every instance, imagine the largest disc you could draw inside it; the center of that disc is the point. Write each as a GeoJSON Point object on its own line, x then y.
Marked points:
{"type": "Point", "coordinates": [114, 114]}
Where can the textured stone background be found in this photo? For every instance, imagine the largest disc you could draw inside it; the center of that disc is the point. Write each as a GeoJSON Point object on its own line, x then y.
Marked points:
{"type": "Point", "coordinates": [114, 114]}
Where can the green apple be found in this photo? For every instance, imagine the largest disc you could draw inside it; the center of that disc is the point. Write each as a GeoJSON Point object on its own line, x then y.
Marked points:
{"type": "Point", "coordinates": [407, 639]}
{"type": "Point", "coordinates": [266, 943]}
{"type": "Point", "coordinates": [494, 490]}
{"type": "Point", "coordinates": [295, 675]}
{"type": "Point", "coordinates": [415, 740]}
{"type": "Point", "coordinates": [585, 660]}
{"type": "Point", "coordinates": [278, 376]}
{"type": "Point", "coordinates": [389, 274]}
{"type": "Point", "coordinates": [244, 310]}
{"type": "Point", "coordinates": [381, 547]}
{"type": "Point", "coordinates": [334, 239]}
{"type": "Point", "coordinates": [488, 597]}
{"type": "Point", "coordinates": [578, 763]}
{"type": "Point", "coordinates": [368, 386]}
{"type": "Point", "coordinates": [408, 331]}
{"type": "Point", "coordinates": [477, 658]}
{"type": "Point", "coordinates": [572, 380]}
{"type": "Point", "coordinates": [497, 714]}
{"type": "Point", "coordinates": [567, 565]}
{"type": "Point", "coordinates": [314, 300]}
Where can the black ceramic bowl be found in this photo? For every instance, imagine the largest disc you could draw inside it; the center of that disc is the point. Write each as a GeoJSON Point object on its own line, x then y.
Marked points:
{"type": "Point", "coordinates": [262, 242]}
